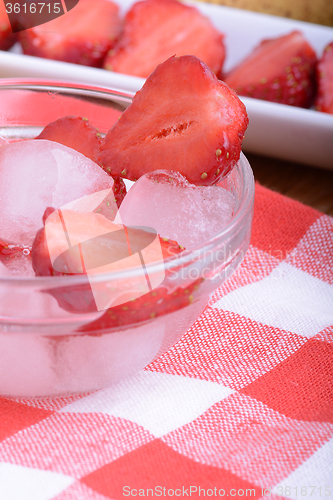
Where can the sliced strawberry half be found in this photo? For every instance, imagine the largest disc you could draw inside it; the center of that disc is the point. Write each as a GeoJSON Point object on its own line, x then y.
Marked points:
{"type": "Point", "coordinates": [155, 30]}
{"type": "Point", "coordinates": [7, 37]}
{"type": "Point", "coordinates": [81, 36]}
{"type": "Point", "coordinates": [183, 119]}
{"type": "Point", "coordinates": [95, 243]}
{"type": "Point", "coordinates": [279, 70]}
{"type": "Point", "coordinates": [77, 133]}
{"type": "Point", "coordinates": [324, 99]}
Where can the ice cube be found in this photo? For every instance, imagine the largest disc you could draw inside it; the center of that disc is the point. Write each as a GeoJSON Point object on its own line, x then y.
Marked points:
{"type": "Point", "coordinates": [176, 209]}
{"type": "Point", "coordinates": [17, 261]}
{"type": "Point", "coordinates": [37, 174]}
{"type": "Point", "coordinates": [21, 266]}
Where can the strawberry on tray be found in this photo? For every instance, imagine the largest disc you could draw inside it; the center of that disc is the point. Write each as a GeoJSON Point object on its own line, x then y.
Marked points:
{"type": "Point", "coordinates": [324, 100]}
{"type": "Point", "coordinates": [96, 33]}
{"type": "Point", "coordinates": [82, 36]}
{"type": "Point", "coordinates": [7, 38]}
{"type": "Point", "coordinates": [280, 70]}
{"type": "Point", "coordinates": [155, 30]}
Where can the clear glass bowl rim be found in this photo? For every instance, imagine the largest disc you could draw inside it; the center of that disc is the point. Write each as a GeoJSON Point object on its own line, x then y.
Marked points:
{"type": "Point", "coordinates": [185, 257]}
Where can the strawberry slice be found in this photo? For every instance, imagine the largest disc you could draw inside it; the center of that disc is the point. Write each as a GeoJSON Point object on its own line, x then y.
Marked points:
{"type": "Point", "coordinates": [155, 30]}
{"type": "Point", "coordinates": [147, 307]}
{"type": "Point", "coordinates": [182, 119]}
{"type": "Point", "coordinates": [77, 133]}
{"type": "Point", "coordinates": [7, 37]}
{"type": "Point", "coordinates": [75, 299]}
{"type": "Point", "coordinates": [82, 36]}
{"type": "Point", "coordinates": [280, 70]}
{"type": "Point", "coordinates": [95, 243]}
{"type": "Point", "coordinates": [324, 99]}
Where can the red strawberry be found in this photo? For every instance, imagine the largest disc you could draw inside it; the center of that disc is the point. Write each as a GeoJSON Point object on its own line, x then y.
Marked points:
{"type": "Point", "coordinates": [155, 30]}
{"type": "Point", "coordinates": [149, 306]}
{"type": "Point", "coordinates": [77, 133]}
{"type": "Point", "coordinates": [82, 36]}
{"type": "Point", "coordinates": [324, 99]}
{"type": "Point", "coordinates": [7, 38]}
{"type": "Point", "coordinates": [78, 298]}
{"type": "Point", "coordinates": [115, 243]}
{"type": "Point", "coordinates": [279, 70]}
{"type": "Point", "coordinates": [182, 119]}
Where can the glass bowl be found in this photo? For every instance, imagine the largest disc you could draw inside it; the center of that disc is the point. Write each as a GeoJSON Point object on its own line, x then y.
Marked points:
{"type": "Point", "coordinates": [46, 350]}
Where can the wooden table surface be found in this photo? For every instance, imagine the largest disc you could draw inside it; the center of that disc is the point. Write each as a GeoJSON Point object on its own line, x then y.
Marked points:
{"type": "Point", "coordinates": [310, 185]}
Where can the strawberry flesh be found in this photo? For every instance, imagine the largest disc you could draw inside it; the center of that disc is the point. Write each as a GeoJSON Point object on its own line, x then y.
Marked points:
{"type": "Point", "coordinates": [278, 70]}
{"type": "Point", "coordinates": [183, 119]}
{"type": "Point", "coordinates": [324, 99]}
{"type": "Point", "coordinates": [155, 30]}
{"type": "Point", "coordinates": [83, 36]}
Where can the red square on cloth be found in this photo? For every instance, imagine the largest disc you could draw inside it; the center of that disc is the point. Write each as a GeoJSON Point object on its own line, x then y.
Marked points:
{"type": "Point", "coordinates": [299, 387]}
{"type": "Point", "coordinates": [159, 468]}
{"type": "Point", "coordinates": [15, 417]}
{"type": "Point", "coordinates": [279, 222]}
{"type": "Point", "coordinates": [314, 252]}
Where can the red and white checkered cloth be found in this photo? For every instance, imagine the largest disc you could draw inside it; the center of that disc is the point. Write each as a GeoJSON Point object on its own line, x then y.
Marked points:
{"type": "Point", "coordinates": [241, 406]}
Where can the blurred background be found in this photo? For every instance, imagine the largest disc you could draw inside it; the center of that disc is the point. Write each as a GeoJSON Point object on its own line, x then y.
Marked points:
{"type": "Point", "coordinates": [312, 11]}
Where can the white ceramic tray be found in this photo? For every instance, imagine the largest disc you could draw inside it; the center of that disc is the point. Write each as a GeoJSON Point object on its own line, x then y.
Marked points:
{"type": "Point", "coordinates": [276, 130]}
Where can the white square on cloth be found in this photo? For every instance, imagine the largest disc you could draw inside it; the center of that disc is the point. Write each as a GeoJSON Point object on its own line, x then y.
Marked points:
{"type": "Point", "coordinates": [176, 400]}
{"type": "Point", "coordinates": [23, 483]}
{"type": "Point", "coordinates": [289, 299]}
{"type": "Point", "coordinates": [312, 477]}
